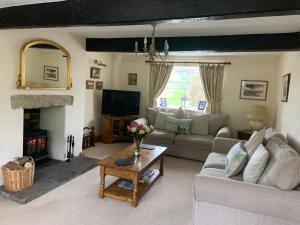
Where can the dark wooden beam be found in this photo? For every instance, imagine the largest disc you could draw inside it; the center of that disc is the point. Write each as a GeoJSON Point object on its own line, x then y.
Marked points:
{"type": "Point", "coordinates": [230, 43]}
{"type": "Point", "coordinates": [113, 12]}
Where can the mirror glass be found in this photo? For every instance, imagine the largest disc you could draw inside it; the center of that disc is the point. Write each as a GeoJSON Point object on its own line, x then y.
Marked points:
{"type": "Point", "coordinates": [45, 65]}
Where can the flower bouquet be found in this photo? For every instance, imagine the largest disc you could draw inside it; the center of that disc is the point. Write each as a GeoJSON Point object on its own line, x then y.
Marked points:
{"type": "Point", "coordinates": [139, 132]}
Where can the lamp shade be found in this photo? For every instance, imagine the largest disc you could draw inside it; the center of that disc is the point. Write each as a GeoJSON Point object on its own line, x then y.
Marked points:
{"type": "Point", "coordinates": [257, 113]}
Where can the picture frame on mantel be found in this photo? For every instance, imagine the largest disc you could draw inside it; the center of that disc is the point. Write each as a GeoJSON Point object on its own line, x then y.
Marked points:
{"type": "Point", "coordinates": [254, 90]}
{"type": "Point", "coordinates": [285, 87]}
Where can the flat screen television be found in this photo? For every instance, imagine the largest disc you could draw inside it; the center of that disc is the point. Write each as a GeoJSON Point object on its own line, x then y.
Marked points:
{"type": "Point", "coordinates": [120, 103]}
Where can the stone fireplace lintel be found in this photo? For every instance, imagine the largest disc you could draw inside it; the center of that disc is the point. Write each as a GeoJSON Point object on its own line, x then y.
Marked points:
{"type": "Point", "coordinates": [40, 101]}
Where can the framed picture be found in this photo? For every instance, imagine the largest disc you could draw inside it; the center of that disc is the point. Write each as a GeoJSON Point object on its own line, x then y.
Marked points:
{"type": "Point", "coordinates": [163, 102]}
{"type": "Point", "coordinates": [132, 79]}
{"type": "Point", "coordinates": [99, 85]}
{"type": "Point", "coordinates": [254, 90]}
{"type": "Point", "coordinates": [95, 72]}
{"type": "Point", "coordinates": [90, 84]}
{"type": "Point", "coordinates": [285, 87]}
{"type": "Point", "coordinates": [51, 73]}
{"type": "Point", "coordinates": [202, 105]}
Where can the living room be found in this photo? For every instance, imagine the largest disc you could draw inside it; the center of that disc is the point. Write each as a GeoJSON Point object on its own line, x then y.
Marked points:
{"type": "Point", "coordinates": [263, 49]}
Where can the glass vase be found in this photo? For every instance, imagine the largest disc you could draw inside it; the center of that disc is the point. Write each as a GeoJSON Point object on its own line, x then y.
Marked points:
{"type": "Point", "coordinates": [138, 142]}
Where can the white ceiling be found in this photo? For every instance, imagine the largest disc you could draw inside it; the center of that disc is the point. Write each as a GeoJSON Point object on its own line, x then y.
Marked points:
{"type": "Point", "coordinates": [278, 24]}
{"type": "Point", "coordinates": [8, 3]}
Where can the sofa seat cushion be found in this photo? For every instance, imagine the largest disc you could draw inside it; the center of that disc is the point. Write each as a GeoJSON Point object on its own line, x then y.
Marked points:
{"type": "Point", "coordinates": [215, 160]}
{"type": "Point", "coordinates": [160, 137]}
{"type": "Point", "coordinates": [219, 173]}
{"type": "Point", "coordinates": [195, 141]}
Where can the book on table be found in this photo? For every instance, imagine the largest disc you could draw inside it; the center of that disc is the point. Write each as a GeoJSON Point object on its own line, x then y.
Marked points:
{"type": "Point", "coordinates": [128, 184]}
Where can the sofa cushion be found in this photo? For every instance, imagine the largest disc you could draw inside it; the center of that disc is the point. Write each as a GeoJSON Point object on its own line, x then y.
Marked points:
{"type": "Point", "coordinates": [200, 125]}
{"type": "Point", "coordinates": [195, 141]}
{"type": "Point", "coordinates": [235, 160]}
{"type": "Point", "coordinates": [219, 173]}
{"type": "Point", "coordinates": [256, 165]}
{"type": "Point", "coordinates": [216, 122]}
{"type": "Point", "coordinates": [180, 114]}
{"type": "Point", "coordinates": [171, 125]}
{"type": "Point", "coordinates": [151, 115]}
{"type": "Point", "coordinates": [270, 132]}
{"type": "Point", "coordinates": [255, 140]}
{"type": "Point", "coordinates": [161, 120]}
{"type": "Point", "coordinates": [160, 137]}
{"type": "Point", "coordinates": [215, 160]}
{"type": "Point", "coordinates": [283, 170]}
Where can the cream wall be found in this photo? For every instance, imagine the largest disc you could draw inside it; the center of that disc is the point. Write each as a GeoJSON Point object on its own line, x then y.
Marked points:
{"type": "Point", "coordinates": [11, 121]}
{"type": "Point", "coordinates": [93, 98]}
{"type": "Point", "coordinates": [258, 67]}
{"type": "Point", "coordinates": [288, 121]}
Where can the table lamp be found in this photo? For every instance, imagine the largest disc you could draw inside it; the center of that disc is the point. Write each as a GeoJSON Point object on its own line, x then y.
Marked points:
{"type": "Point", "coordinates": [257, 117]}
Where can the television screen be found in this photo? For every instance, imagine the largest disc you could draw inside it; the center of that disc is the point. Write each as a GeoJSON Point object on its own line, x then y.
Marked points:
{"type": "Point", "coordinates": [120, 103]}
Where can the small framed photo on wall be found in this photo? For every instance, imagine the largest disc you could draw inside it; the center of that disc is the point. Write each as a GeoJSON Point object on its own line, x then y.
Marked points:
{"type": "Point", "coordinates": [90, 84]}
{"type": "Point", "coordinates": [254, 90]}
{"type": "Point", "coordinates": [95, 72]}
{"type": "Point", "coordinates": [99, 85]}
{"type": "Point", "coordinates": [132, 79]}
{"type": "Point", "coordinates": [285, 87]}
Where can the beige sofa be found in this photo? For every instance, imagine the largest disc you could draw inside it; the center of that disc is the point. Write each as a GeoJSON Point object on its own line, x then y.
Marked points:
{"type": "Point", "coordinates": [230, 201]}
{"type": "Point", "coordinates": [196, 147]}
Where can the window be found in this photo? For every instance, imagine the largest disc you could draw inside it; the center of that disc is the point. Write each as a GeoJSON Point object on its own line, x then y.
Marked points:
{"type": "Point", "coordinates": [184, 88]}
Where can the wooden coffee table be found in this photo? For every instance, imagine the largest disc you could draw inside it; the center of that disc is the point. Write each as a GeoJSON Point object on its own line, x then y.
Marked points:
{"type": "Point", "coordinates": [131, 173]}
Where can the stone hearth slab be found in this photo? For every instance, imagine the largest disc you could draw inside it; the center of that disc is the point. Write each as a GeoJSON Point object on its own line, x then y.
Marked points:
{"type": "Point", "coordinates": [49, 175]}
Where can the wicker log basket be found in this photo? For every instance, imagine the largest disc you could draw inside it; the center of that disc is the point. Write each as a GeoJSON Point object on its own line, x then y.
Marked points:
{"type": "Point", "coordinates": [18, 180]}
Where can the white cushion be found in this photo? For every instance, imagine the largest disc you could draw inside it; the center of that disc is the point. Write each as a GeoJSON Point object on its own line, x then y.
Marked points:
{"type": "Point", "coordinates": [180, 114]}
{"type": "Point", "coordinates": [256, 165]}
{"type": "Point", "coordinates": [255, 140]}
{"type": "Point", "coordinates": [283, 170]}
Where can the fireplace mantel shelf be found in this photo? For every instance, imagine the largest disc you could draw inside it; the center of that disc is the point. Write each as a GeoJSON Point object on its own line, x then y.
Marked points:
{"type": "Point", "coordinates": [40, 101]}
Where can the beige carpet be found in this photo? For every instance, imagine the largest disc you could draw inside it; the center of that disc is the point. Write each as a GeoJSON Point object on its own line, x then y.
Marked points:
{"type": "Point", "coordinates": [168, 201]}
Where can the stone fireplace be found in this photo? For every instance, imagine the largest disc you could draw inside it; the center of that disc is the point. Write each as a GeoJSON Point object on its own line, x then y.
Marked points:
{"type": "Point", "coordinates": [44, 133]}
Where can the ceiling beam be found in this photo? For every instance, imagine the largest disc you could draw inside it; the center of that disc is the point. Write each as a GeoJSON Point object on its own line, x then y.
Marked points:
{"type": "Point", "coordinates": [117, 12]}
{"type": "Point", "coordinates": [227, 43]}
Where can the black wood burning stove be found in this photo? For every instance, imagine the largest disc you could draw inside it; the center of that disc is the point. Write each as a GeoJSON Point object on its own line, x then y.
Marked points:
{"type": "Point", "coordinates": [35, 144]}
{"type": "Point", "coordinates": [35, 139]}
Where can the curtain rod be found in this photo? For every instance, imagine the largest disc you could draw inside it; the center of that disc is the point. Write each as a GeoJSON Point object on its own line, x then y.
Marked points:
{"type": "Point", "coordinates": [187, 62]}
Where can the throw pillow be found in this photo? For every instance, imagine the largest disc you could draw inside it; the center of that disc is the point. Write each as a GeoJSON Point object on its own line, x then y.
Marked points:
{"type": "Point", "coordinates": [171, 125]}
{"type": "Point", "coordinates": [283, 170]}
{"type": "Point", "coordinates": [270, 133]}
{"type": "Point", "coordinates": [184, 126]}
{"type": "Point", "coordinates": [180, 114]}
{"type": "Point", "coordinates": [256, 165]}
{"type": "Point", "coordinates": [161, 120]}
{"type": "Point", "coordinates": [255, 140]}
{"type": "Point", "coordinates": [236, 160]}
{"type": "Point", "coordinates": [151, 114]}
{"type": "Point", "coordinates": [200, 125]}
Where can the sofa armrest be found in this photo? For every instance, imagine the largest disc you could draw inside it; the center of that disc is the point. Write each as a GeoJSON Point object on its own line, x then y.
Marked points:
{"type": "Point", "coordinates": [254, 198]}
{"type": "Point", "coordinates": [140, 121]}
{"type": "Point", "coordinates": [223, 145]}
{"type": "Point", "coordinates": [224, 132]}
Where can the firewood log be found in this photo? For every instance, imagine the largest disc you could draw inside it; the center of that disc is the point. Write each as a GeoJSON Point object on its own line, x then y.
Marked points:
{"type": "Point", "coordinates": [22, 161]}
{"type": "Point", "coordinates": [13, 166]}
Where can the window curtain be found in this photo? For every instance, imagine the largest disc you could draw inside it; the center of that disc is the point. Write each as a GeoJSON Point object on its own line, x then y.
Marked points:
{"type": "Point", "coordinates": [159, 76]}
{"type": "Point", "coordinates": [212, 79]}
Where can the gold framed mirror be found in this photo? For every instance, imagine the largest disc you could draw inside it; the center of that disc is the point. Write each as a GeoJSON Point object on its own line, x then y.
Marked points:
{"type": "Point", "coordinates": [44, 65]}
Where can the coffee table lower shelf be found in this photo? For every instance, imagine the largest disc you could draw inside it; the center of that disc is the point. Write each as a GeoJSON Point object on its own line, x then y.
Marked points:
{"type": "Point", "coordinates": [113, 191]}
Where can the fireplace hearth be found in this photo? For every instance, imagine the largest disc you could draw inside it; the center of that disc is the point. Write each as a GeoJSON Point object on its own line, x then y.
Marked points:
{"type": "Point", "coordinates": [35, 139]}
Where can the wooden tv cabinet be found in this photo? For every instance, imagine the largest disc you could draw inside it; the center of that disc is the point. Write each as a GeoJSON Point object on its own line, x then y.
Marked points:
{"type": "Point", "coordinates": [114, 128]}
